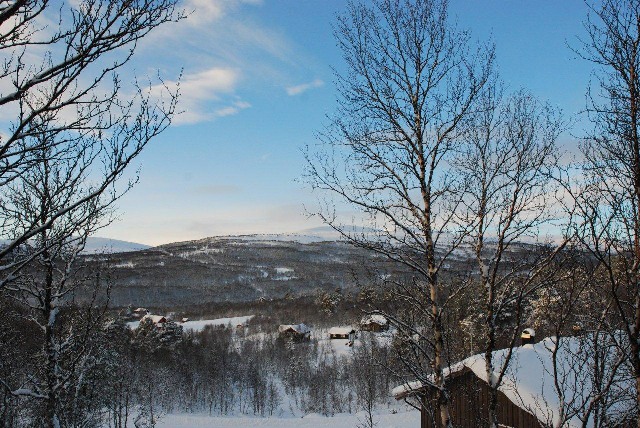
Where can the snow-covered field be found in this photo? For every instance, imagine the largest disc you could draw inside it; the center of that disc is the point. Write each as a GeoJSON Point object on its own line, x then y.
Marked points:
{"type": "Point", "coordinates": [199, 325]}
{"type": "Point", "coordinates": [409, 419]}
{"type": "Point", "coordinates": [340, 346]}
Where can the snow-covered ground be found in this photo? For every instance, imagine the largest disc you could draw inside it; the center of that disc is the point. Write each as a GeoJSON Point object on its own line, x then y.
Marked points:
{"type": "Point", "coordinates": [410, 419]}
{"type": "Point", "coordinates": [340, 346]}
{"type": "Point", "coordinates": [199, 325]}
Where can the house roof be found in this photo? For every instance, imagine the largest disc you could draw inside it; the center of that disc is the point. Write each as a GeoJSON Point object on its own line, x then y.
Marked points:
{"type": "Point", "coordinates": [529, 380]}
{"type": "Point", "coordinates": [298, 328]}
{"type": "Point", "coordinates": [154, 318]}
{"type": "Point", "coordinates": [374, 318]}
{"type": "Point", "coordinates": [341, 330]}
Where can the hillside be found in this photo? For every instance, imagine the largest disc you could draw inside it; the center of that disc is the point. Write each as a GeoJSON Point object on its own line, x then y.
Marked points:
{"type": "Point", "coordinates": [250, 267]}
{"type": "Point", "coordinates": [234, 269]}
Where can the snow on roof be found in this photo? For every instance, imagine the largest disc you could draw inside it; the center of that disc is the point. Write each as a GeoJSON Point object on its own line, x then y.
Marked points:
{"type": "Point", "coordinates": [341, 330]}
{"type": "Point", "coordinates": [375, 318]}
{"type": "Point", "coordinates": [298, 328]}
{"type": "Point", "coordinates": [154, 318]}
{"type": "Point", "coordinates": [401, 391]}
{"type": "Point", "coordinates": [528, 332]}
{"type": "Point", "coordinates": [529, 380]}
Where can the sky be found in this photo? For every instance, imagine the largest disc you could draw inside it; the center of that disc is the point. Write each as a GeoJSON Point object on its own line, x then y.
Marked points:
{"type": "Point", "coordinates": [257, 85]}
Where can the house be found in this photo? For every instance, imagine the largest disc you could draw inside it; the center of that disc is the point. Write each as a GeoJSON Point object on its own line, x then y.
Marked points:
{"type": "Point", "coordinates": [374, 322]}
{"type": "Point", "coordinates": [140, 312]}
{"type": "Point", "coordinates": [157, 320]}
{"type": "Point", "coordinates": [297, 332]}
{"type": "Point", "coordinates": [342, 333]}
{"type": "Point", "coordinates": [527, 397]}
{"type": "Point", "coordinates": [528, 336]}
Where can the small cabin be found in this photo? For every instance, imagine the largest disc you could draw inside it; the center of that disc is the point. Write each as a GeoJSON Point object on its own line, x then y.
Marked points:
{"type": "Point", "coordinates": [525, 397]}
{"type": "Point", "coordinates": [140, 312]}
{"type": "Point", "coordinates": [157, 320]}
{"type": "Point", "coordinates": [374, 322]}
{"type": "Point", "coordinates": [342, 333]}
{"type": "Point", "coordinates": [296, 332]}
{"type": "Point", "coordinates": [528, 336]}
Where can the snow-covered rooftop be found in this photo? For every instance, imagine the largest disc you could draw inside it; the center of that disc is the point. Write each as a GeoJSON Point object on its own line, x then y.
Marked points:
{"type": "Point", "coordinates": [298, 328]}
{"type": "Point", "coordinates": [374, 318]}
{"type": "Point", "coordinates": [154, 318]}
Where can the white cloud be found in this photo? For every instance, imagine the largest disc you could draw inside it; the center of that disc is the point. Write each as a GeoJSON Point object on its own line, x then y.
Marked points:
{"type": "Point", "coordinates": [232, 109]}
{"type": "Point", "coordinates": [208, 84]}
{"type": "Point", "coordinates": [206, 11]}
{"type": "Point", "coordinates": [299, 89]}
{"type": "Point", "coordinates": [202, 93]}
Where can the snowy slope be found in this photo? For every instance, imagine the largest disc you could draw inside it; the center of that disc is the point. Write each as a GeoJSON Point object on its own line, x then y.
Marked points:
{"type": "Point", "coordinates": [400, 420]}
{"type": "Point", "coordinates": [106, 245]}
{"type": "Point", "coordinates": [199, 325]}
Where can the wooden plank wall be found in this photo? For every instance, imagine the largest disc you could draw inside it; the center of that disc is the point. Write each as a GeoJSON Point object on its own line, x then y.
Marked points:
{"type": "Point", "coordinates": [469, 404]}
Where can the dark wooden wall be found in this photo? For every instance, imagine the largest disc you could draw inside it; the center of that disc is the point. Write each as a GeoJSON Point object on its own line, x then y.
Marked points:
{"type": "Point", "coordinates": [469, 404]}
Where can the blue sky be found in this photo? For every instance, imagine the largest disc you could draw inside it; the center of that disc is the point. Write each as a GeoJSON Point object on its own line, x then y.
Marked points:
{"type": "Point", "coordinates": [257, 84]}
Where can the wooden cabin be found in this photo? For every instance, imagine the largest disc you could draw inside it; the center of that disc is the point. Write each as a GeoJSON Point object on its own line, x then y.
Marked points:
{"type": "Point", "coordinates": [469, 403]}
{"type": "Point", "coordinates": [296, 332]}
{"type": "Point", "coordinates": [139, 312]}
{"type": "Point", "coordinates": [528, 336]}
{"type": "Point", "coordinates": [157, 320]}
{"type": "Point", "coordinates": [526, 396]}
{"type": "Point", "coordinates": [342, 333]}
{"type": "Point", "coordinates": [374, 322]}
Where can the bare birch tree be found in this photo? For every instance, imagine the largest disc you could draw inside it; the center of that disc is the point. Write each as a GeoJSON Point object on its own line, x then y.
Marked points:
{"type": "Point", "coordinates": [69, 131]}
{"type": "Point", "coordinates": [60, 87]}
{"type": "Point", "coordinates": [507, 168]}
{"type": "Point", "coordinates": [45, 287]}
{"type": "Point", "coordinates": [608, 204]}
{"type": "Point", "coordinates": [412, 80]}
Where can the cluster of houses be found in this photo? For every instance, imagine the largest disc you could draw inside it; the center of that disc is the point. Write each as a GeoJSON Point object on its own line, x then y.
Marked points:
{"type": "Point", "coordinates": [301, 332]}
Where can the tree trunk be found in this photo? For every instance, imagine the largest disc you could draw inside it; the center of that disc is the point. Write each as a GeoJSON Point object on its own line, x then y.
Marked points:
{"type": "Point", "coordinates": [442, 395]}
{"type": "Point", "coordinates": [493, 388]}
{"type": "Point", "coordinates": [51, 417]}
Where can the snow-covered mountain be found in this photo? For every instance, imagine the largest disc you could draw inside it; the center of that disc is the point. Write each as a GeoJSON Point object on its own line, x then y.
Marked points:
{"type": "Point", "coordinates": [107, 245]}
{"type": "Point", "coordinates": [244, 268]}
{"type": "Point", "coordinates": [235, 269]}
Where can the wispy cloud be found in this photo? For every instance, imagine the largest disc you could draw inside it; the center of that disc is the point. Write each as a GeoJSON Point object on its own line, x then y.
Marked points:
{"type": "Point", "coordinates": [203, 93]}
{"type": "Point", "coordinates": [235, 108]}
{"type": "Point", "coordinates": [208, 84]}
{"type": "Point", "coordinates": [299, 89]}
{"type": "Point", "coordinates": [224, 49]}
{"type": "Point", "coordinates": [206, 11]}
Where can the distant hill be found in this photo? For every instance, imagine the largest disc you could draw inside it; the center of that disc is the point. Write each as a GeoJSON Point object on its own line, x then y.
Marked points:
{"type": "Point", "coordinates": [108, 245]}
{"type": "Point", "coordinates": [246, 268]}
{"type": "Point", "coordinates": [234, 269]}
